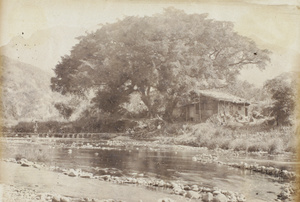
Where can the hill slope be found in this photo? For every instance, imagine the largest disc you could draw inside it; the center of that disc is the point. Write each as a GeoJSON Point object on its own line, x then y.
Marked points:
{"type": "Point", "coordinates": [26, 95]}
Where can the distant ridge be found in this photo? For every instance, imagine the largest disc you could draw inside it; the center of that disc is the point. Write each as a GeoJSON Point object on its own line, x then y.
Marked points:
{"type": "Point", "coordinates": [26, 93]}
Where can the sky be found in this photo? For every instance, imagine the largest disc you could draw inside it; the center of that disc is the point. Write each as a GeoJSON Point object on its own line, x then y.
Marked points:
{"type": "Point", "coordinates": [273, 25]}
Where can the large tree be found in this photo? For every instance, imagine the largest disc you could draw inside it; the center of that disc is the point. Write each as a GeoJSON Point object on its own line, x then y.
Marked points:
{"type": "Point", "coordinates": [282, 90]}
{"type": "Point", "coordinates": [162, 58]}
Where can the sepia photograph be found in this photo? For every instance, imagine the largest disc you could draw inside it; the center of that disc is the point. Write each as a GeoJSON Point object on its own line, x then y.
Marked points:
{"type": "Point", "coordinates": [149, 101]}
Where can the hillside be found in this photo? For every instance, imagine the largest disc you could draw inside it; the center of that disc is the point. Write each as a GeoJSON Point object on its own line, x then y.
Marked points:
{"type": "Point", "coordinates": [26, 95]}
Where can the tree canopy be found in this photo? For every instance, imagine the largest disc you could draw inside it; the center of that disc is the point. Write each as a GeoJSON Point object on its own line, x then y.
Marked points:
{"type": "Point", "coordinates": [282, 90]}
{"type": "Point", "coordinates": [162, 58]}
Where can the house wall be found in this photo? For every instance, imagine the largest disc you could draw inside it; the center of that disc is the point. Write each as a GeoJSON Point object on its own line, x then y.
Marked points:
{"type": "Point", "coordinates": [207, 107]}
{"type": "Point", "coordinates": [201, 111]}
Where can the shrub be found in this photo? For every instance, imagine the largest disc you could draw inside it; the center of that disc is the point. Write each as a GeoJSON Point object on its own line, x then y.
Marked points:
{"type": "Point", "coordinates": [225, 144]}
{"type": "Point", "coordinates": [212, 144]}
{"type": "Point", "coordinates": [275, 146]}
{"type": "Point", "coordinates": [173, 129]}
{"type": "Point", "coordinates": [254, 148]}
{"type": "Point", "coordinates": [239, 145]}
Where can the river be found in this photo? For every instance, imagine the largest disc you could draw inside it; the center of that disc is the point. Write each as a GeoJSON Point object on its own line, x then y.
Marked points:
{"type": "Point", "coordinates": [169, 163]}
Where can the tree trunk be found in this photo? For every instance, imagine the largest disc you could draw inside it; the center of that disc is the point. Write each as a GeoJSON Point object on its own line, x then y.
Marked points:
{"type": "Point", "coordinates": [168, 115]}
{"type": "Point", "coordinates": [146, 100]}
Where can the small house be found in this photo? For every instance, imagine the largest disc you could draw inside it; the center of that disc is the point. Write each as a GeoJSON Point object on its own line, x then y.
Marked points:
{"type": "Point", "coordinates": [224, 106]}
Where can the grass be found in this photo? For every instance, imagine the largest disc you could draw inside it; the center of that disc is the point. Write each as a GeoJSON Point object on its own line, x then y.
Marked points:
{"type": "Point", "coordinates": [272, 140]}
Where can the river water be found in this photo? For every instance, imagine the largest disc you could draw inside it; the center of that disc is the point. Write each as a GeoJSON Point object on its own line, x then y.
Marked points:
{"type": "Point", "coordinates": [170, 163]}
{"type": "Point", "coordinates": [167, 163]}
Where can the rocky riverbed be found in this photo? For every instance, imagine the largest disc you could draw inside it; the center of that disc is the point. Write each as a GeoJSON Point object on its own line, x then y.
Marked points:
{"type": "Point", "coordinates": [188, 191]}
{"type": "Point", "coordinates": [22, 181]}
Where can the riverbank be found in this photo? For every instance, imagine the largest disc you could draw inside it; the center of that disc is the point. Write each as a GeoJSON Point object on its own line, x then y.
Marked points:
{"type": "Point", "coordinates": [33, 184]}
{"type": "Point", "coordinates": [273, 140]}
{"type": "Point", "coordinates": [190, 191]}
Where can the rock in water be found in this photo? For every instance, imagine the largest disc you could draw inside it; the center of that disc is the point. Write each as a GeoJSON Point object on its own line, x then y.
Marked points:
{"type": "Point", "coordinates": [56, 199]}
{"type": "Point", "coordinates": [86, 175]}
{"type": "Point", "coordinates": [241, 198]}
{"type": "Point", "coordinates": [73, 173]}
{"type": "Point", "coordinates": [64, 199]}
{"type": "Point", "coordinates": [195, 188]}
{"type": "Point", "coordinates": [192, 195]}
{"type": "Point", "coordinates": [208, 197]}
{"type": "Point", "coordinates": [220, 198]}
{"type": "Point", "coordinates": [26, 163]}
{"type": "Point", "coordinates": [165, 200]}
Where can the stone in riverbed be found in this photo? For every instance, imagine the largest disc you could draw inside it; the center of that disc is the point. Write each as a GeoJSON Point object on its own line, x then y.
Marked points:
{"type": "Point", "coordinates": [165, 200]}
{"type": "Point", "coordinates": [105, 177]}
{"type": "Point", "coordinates": [216, 193]}
{"type": "Point", "coordinates": [192, 195]}
{"type": "Point", "coordinates": [232, 199]}
{"type": "Point", "coordinates": [64, 199]}
{"type": "Point", "coordinates": [161, 183]}
{"type": "Point", "coordinates": [195, 188]}
{"type": "Point", "coordinates": [206, 189]}
{"type": "Point", "coordinates": [73, 173]}
{"type": "Point", "coordinates": [187, 187]}
{"type": "Point", "coordinates": [241, 198]}
{"type": "Point", "coordinates": [208, 197]}
{"type": "Point", "coordinates": [86, 175]}
{"type": "Point", "coordinates": [220, 198]}
{"type": "Point", "coordinates": [56, 198]}
{"type": "Point", "coordinates": [179, 191]}
{"type": "Point", "coordinates": [26, 163]}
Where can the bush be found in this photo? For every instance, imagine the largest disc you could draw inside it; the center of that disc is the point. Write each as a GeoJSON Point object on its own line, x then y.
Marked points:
{"type": "Point", "coordinates": [225, 144]}
{"type": "Point", "coordinates": [173, 129]}
{"type": "Point", "coordinates": [239, 145]}
{"type": "Point", "coordinates": [275, 146]}
{"type": "Point", "coordinates": [257, 147]}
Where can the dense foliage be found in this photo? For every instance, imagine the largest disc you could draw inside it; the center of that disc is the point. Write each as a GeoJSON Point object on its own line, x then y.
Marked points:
{"type": "Point", "coordinates": [162, 58]}
{"type": "Point", "coordinates": [64, 110]}
{"type": "Point", "coordinates": [283, 93]}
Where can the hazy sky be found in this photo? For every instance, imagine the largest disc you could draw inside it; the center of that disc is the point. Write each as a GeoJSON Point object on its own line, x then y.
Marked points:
{"type": "Point", "coordinates": [274, 25]}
